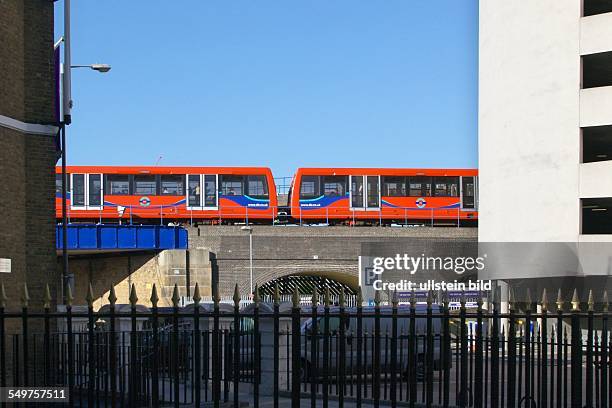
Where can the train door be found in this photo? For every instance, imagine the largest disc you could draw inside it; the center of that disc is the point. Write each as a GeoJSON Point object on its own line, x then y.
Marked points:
{"type": "Point", "coordinates": [202, 192]}
{"type": "Point", "coordinates": [365, 192]}
{"type": "Point", "coordinates": [468, 193]}
{"type": "Point", "coordinates": [86, 191]}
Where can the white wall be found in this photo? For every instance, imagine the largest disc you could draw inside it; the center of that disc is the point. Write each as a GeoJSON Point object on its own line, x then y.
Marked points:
{"type": "Point", "coordinates": [596, 179]}
{"type": "Point", "coordinates": [529, 138]}
{"type": "Point", "coordinates": [596, 106]}
{"type": "Point", "coordinates": [596, 34]}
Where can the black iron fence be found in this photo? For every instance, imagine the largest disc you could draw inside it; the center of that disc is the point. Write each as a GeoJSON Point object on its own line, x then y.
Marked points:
{"type": "Point", "coordinates": [421, 354]}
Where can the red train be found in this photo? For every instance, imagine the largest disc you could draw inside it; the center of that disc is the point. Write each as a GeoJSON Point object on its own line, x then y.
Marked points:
{"type": "Point", "coordinates": [356, 195]}
{"type": "Point", "coordinates": [248, 194]}
{"type": "Point", "coordinates": [145, 194]}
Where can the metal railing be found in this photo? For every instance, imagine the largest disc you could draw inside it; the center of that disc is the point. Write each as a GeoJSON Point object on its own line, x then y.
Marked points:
{"type": "Point", "coordinates": [277, 215]}
{"type": "Point", "coordinates": [276, 353]}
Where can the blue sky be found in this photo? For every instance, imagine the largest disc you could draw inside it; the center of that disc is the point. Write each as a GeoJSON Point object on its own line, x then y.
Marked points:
{"type": "Point", "coordinates": [283, 84]}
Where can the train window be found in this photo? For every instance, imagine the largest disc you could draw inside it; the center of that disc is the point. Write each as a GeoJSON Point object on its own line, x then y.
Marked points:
{"type": "Point", "coordinates": [446, 186]}
{"type": "Point", "coordinates": [58, 183]}
{"type": "Point", "coordinates": [172, 184]}
{"type": "Point", "coordinates": [210, 190]}
{"type": "Point", "coordinates": [419, 186]}
{"type": "Point", "coordinates": [334, 185]}
{"type": "Point", "coordinates": [231, 185]}
{"type": "Point", "coordinates": [145, 185]}
{"type": "Point", "coordinates": [394, 186]}
{"type": "Point", "coordinates": [193, 185]}
{"type": "Point", "coordinates": [117, 184]}
{"type": "Point", "coordinates": [309, 187]}
{"type": "Point", "coordinates": [257, 187]}
{"type": "Point", "coordinates": [78, 190]}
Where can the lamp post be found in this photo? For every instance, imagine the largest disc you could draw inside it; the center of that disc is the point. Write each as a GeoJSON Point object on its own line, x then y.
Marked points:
{"type": "Point", "coordinates": [67, 277]}
{"type": "Point", "coordinates": [250, 230]}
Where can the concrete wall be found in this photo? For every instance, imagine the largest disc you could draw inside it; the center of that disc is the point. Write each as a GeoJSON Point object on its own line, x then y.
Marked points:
{"type": "Point", "coordinates": [595, 34]}
{"type": "Point", "coordinates": [529, 138]}
{"type": "Point", "coordinates": [27, 179]}
{"type": "Point", "coordinates": [279, 251]}
{"type": "Point", "coordinates": [164, 269]}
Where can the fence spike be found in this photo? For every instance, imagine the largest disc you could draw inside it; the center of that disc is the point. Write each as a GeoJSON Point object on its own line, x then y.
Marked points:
{"type": "Point", "coordinates": [296, 297]}
{"type": "Point", "coordinates": [479, 301]}
{"type": "Point", "coordinates": [377, 298]}
{"type": "Point", "coordinates": [196, 295]}
{"type": "Point", "coordinates": [510, 298]}
{"type": "Point", "coordinates": [395, 299]}
{"type": "Point", "coordinates": [327, 298]}
{"type": "Point", "coordinates": [90, 296]}
{"type": "Point", "coordinates": [69, 296]}
{"type": "Point", "coordinates": [429, 298]}
{"type": "Point", "coordinates": [605, 301]}
{"type": "Point", "coordinates": [359, 297]}
{"type": "Point", "coordinates": [544, 301]}
{"type": "Point", "coordinates": [133, 296]}
{"type": "Point", "coordinates": [3, 297]}
{"type": "Point", "coordinates": [236, 297]}
{"type": "Point", "coordinates": [154, 297]}
{"type": "Point", "coordinates": [175, 296]}
{"type": "Point", "coordinates": [462, 300]}
{"type": "Point", "coordinates": [47, 297]}
{"type": "Point", "coordinates": [412, 299]}
{"type": "Point", "coordinates": [591, 302]}
{"type": "Point", "coordinates": [559, 300]}
{"type": "Point", "coordinates": [256, 298]}
{"type": "Point", "coordinates": [315, 296]}
{"type": "Point", "coordinates": [341, 298]}
{"type": "Point", "coordinates": [25, 296]}
{"type": "Point", "coordinates": [276, 294]}
{"type": "Point", "coordinates": [112, 297]}
{"type": "Point", "coordinates": [575, 301]}
{"type": "Point", "coordinates": [528, 299]}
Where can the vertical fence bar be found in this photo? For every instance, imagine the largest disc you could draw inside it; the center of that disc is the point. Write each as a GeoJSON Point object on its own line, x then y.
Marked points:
{"type": "Point", "coordinates": [216, 352]}
{"type": "Point", "coordinates": [478, 386]}
{"type": "Point", "coordinates": [311, 371]}
{"type": "Point", "coordinates": [412, 358]}
{"type": "Point", "coordinates": [276, 343]}
{"type": "Point", "coordinates": [394, 349]}
{"type": "Point", "coordinates": [559, 391]}
{"type": "Point", "coordinates": [112, 298]}
{"type": "Point", "coordinates": [91, 366]}
{"type": "Point", "coordinates": [528, 395]}
{"type": "Point", "coordinates": [132, 370]}
{"type": "Point", "coordinates": [576, 358]}
{"type": "Point", "coordinates": [544, 351]}
{"type": "Point", "coordinates": [463, 391]}
{"type": "Point", "coordinates": [326, 335]}
{"type": "Point", "coordinates": [25, 299]}
{"type": "Point", "coordinates": [197, 376]}
{"type": "Point", "coordinates": [429, 352]}
{"type": "Point", "coordinates": [70, 346]}
{"type": "Point", "coordinates": [603, 389]}
{"type": "Point", "coordinates": [446, 351]}
{"type": "Point", "coordinates": [342, 352]}
{"type": "Point", "coordinates": [174, 350]}
{"type": "Point", "coordinates": [257, 348]}
{"type": "Point", "coordinates": [511, 393]}
{"type": "Point", "coordinates": [376, 357]}
{"type": "Point", "coordinates": [295, 350]}
{"type": "Point", "coordinates": [495, 368]}
{"type": "Point", "coordinates": [46, 336]}
{"type": "Point", "coordinates": [155, 351]}
{"type": "Point", "coordinates": [236, 344]}
{"type": "Point", "coordinates": [589, 351]}
{"type": "Point", "coordinates": [359, 346]}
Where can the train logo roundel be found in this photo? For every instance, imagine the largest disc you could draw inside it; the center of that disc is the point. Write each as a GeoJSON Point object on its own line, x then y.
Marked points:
{"type": "Point", "coordinates": [420, 202]}
{"type": "Point", "coordinates": [144, 201]}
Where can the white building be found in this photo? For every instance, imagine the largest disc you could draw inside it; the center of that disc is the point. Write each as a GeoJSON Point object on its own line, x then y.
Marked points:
{"type": "Point", "coordinates": [545, 124]}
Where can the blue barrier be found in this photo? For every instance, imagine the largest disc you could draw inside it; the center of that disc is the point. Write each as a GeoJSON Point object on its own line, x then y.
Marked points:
{"type": "Point", "coordinates": [135, 237]}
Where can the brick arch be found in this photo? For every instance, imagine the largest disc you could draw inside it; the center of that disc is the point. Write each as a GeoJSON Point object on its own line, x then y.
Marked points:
{"type": "Point", "coordinates": [306, 281]}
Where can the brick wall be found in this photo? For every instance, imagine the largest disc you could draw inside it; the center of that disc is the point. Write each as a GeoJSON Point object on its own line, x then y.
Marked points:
{"type": "Point", "coordinates": [27, 235]}
{"type": "Point", "coordinates": [279, 251]}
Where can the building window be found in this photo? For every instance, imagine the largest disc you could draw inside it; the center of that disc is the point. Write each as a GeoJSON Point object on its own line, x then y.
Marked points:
{"type": "Point", "coordinates": [117, 184]}
{"type": "Point", "coordinates": [145, 185]}
{"type": "Point", "coordinates": [420, 186]}
{"type": "Point", "coordinates": [597, 215]}
{"type": "Point", "coordinates": [394, 186]}
{"type": "Point", "coordinates": [597, 70]}
{"type": "Point", "coordinates": [596, 144]}
{"type": "Point", "coordinates": [257, 187]}
{"type": "Point", "coordinates": [231, 185]}
{"type": "Point", "coordinates": [446, 186]}
{"type": "Point", "coordinates": [334, 185]}
{"type": "Point", "coordinates": [592, 7]}
{"type": "Point", "coordinates": [309, 187]}
{"type": "Point", "coordinates": [172, 184]}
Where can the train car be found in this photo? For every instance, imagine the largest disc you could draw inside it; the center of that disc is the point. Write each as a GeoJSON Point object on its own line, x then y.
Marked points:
{"type": "Point", "coordinates": [168, 194]}
{"type": "Point", "coordinates": [384, 196]}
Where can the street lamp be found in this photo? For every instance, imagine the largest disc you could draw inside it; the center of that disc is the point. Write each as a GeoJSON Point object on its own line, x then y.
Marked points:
{"type": "Point", "coordinates": [67, 278]}
{"type": "Point", "coordinates": [102, 68]}
{"type": "Point", "coordinates": [250, 229]}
